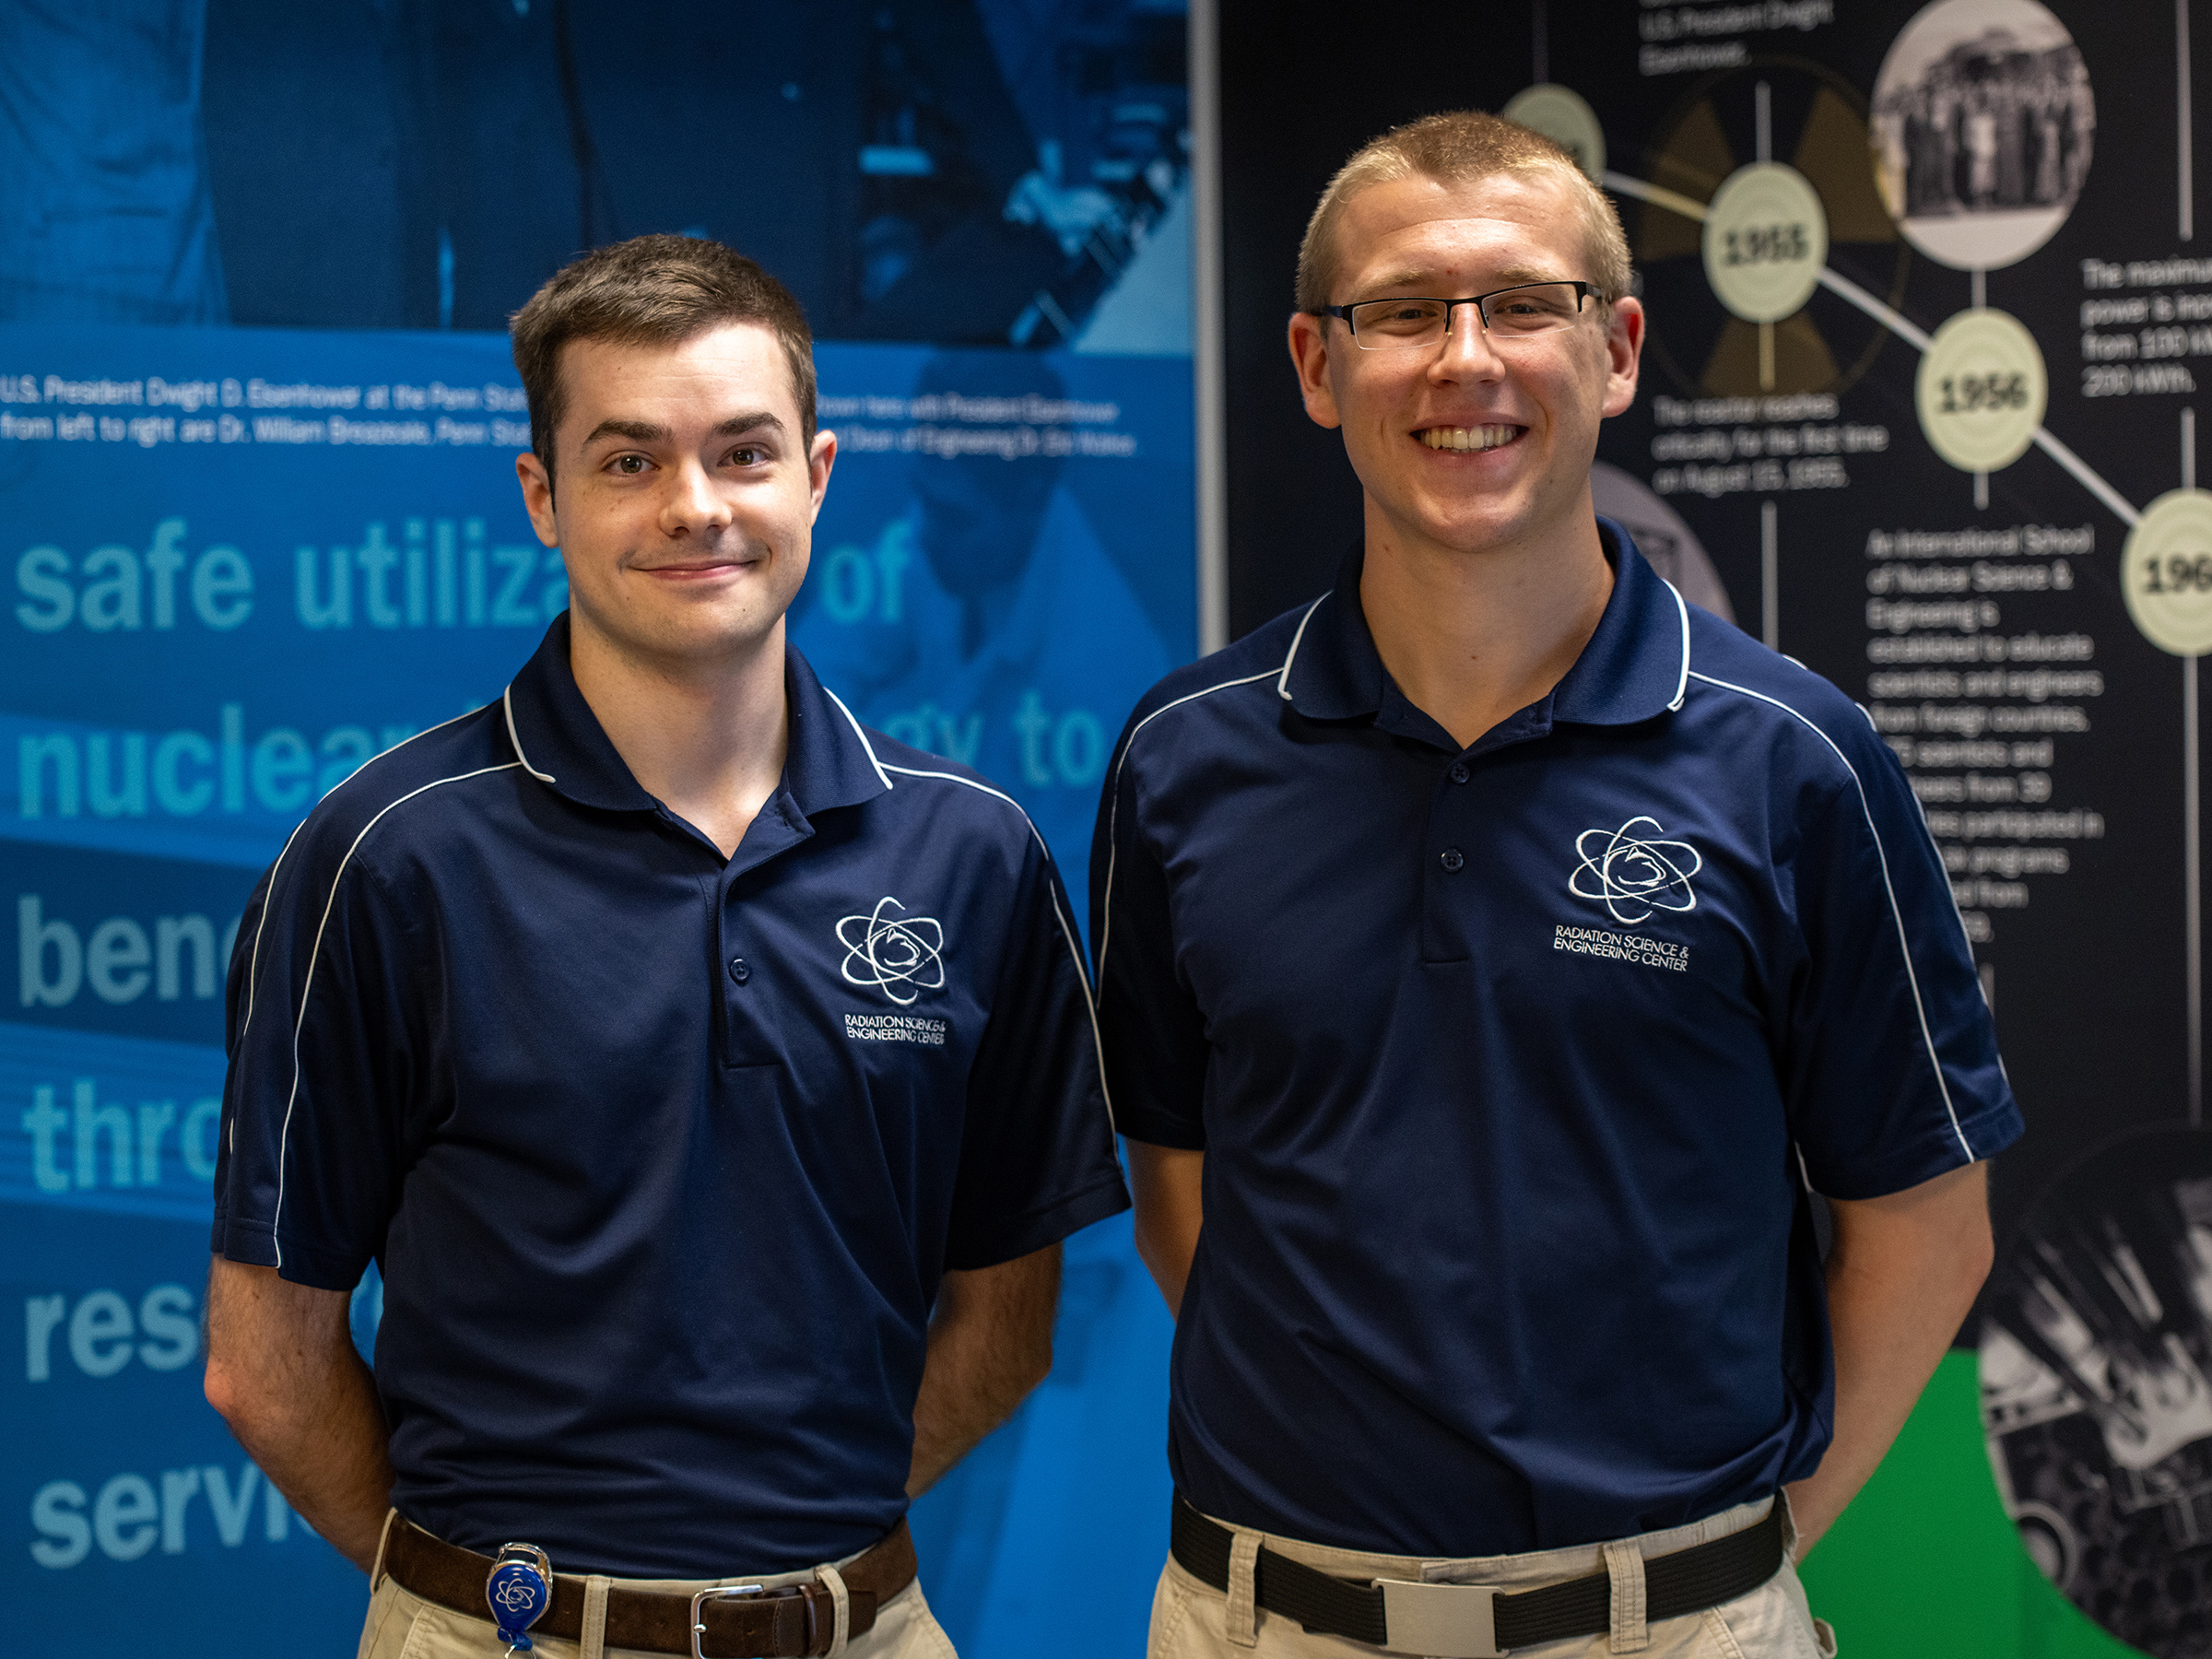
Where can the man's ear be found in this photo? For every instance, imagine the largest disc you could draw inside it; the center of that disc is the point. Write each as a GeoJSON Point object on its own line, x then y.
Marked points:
{"type": "Point", "coordinates": [1310, 355]}
{"type": "Point", "coordinates": [1624, 351]}
{"type": "Point", "coordinates": [537, 497]}
{"type": "Point", "coordinates": [820, 457]}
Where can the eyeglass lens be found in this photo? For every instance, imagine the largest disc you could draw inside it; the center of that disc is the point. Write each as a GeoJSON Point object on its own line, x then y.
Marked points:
{"type": "Point", "coordinates": [1537, 308]}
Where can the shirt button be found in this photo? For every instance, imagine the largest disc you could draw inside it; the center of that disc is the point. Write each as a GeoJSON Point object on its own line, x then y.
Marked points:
{"type": "Point", "coordinates": [1459, 773]}
{"type": "Point", "coordinates": [739, 970]}
{"type": "Point", "coordinates": [1451, 858]}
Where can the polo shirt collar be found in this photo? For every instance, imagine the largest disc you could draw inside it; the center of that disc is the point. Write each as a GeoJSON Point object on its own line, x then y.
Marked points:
{"type": "Point", "coordinates": [561, 744]}
{"type": "Point", "coordinates": [1636, 665]}
{"type": "Point", "coordinates": [830, 763]}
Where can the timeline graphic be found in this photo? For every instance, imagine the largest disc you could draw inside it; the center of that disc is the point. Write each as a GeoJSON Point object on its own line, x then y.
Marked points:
{"type": "Point", "coordinates": [1787, 224]}
{"type": "Point", "coordinates": [1931, 172]}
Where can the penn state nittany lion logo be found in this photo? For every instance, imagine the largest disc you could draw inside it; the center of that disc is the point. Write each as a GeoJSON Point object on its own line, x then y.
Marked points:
{"type": "Point", "coordinates": [901, 955]}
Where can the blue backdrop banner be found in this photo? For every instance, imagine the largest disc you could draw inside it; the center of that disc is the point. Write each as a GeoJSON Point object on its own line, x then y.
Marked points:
{"type": "Point", "coordinates": [243, 563]}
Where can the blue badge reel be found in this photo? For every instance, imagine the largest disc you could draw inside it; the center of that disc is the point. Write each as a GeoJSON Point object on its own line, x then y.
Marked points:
{"type": "Point", "coordinates": [519, 1589]}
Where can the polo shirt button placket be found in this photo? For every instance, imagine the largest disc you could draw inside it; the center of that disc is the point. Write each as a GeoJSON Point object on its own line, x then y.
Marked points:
{"type": "Point", "coordinates": [1458, 773]}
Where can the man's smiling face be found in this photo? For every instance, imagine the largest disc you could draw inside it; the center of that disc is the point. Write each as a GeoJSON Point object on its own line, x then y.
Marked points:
{"type": "Point", "coordinates": [685, 496]}
{"type": "Point", "coordinates": [1479, 442]}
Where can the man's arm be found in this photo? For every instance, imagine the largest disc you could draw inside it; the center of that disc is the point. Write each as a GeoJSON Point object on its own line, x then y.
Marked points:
{"type": "Point", "coordinates": [1166, 1183]}
{"type": "Point", "coordinates": [990, 1343]}
{"type": "Point", "coordinates": [1902, 1273]}
{"type": "Point", "coordinates": [282, 1372]}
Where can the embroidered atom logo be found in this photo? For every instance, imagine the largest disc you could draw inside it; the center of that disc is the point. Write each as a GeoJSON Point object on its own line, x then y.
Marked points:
{"type": "Point", "coordinates": [902, 956]}
{"type": "Point", "coordinates": [1633, 876]}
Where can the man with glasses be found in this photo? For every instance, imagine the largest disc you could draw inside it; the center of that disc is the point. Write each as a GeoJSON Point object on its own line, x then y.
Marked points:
{"type": "Point", "coordinates": [1498, 955]}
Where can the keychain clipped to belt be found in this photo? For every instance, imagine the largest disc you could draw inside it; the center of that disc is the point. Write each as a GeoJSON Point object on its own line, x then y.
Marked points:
{"type": "Point", "coordinates": [520, 1589]}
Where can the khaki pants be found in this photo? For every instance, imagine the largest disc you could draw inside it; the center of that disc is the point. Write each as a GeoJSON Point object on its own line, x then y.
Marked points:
{"type": "Point", "coordinates": [1191, 1620]}
{"type": "Point", "coordinates": [401, 1625]}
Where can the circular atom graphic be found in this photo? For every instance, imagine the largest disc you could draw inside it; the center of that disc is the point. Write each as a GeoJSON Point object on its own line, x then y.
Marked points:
{"type": "Point", "coordinates": [902, 956]}
{"type": "Point", "coordinates": [2166, 573]}
{"type": "Point", "coordinates": [1563, 115]}
{"type": "Point", "coordinates": [2095, 1397]}
{"type": "Point", "coordinates": [1982, 131]}
{"type": "Point", "coordinates": [1765, 241]}
{"type": "Point", "coordinates": [1980, 391]}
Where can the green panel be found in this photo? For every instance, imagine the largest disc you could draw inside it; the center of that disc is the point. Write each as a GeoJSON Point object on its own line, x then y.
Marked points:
{"type": "Point", "coordinates": [1925, 1565]}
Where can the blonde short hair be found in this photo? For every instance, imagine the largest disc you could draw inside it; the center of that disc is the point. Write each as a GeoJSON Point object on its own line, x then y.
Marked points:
{"type": "Point", "coordinates": [1457, 147]}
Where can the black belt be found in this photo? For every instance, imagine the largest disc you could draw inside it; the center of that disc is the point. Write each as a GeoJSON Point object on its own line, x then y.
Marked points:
{"type": "Point", "coordinates": [1689, 1580]}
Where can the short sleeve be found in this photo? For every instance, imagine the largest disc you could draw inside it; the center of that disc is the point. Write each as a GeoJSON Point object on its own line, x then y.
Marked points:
{"type": "Point", "coordinates": [320, 1049]}
{"type": "Point", "coordinates": [1150, 1029]}
{"type": "Point", "coordinates": [1037, 1158]}
{"type": "Point", "coordinates": [1891, 1067]}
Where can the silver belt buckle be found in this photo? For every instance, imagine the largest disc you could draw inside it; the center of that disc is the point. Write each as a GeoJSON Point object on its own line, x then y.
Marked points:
{"type": "Point", "coordinates": [1441, 1622]}
{"type": "Point", "coordinates": [727, 1593]}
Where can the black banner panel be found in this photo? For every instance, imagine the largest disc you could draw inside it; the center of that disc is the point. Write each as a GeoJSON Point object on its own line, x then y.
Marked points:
{"type": "Point", "coordinates": [1928, 311]}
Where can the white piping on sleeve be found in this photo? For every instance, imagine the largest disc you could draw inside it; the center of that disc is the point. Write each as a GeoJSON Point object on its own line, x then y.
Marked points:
{"type": "Point", "coordinates": [915, 771]}
{"type": "Point", "coordinates": [1682, 684]}
{"type": "Point", "coordinates": [507, 702]}
{"type": "Point", "coordinates": [870, 747]}
{"type": "Point", "coordinates": [1895, 915]}
{"type": "Point", "coordinates": [254, 964]}
{"type": "Point", "coordinates": [315, 957]}
{"type": "Point", "coordinates": [1114, 813]}
{"type": "Point", "coordinates": [1282, 686]}
{"type": "Point", "coordinates": [260, 927]}
{"type": "Point", "coordinates": [1960, 916]}
{"type": "Point", "coordinates": [1068, 932]}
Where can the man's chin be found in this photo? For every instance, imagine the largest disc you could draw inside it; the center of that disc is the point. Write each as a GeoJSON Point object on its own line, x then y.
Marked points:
{"type": "Point", "coordinates": [686, 645]}
{"type": "Point", "coordinates": [1514, 518]}
{"type": "Point", "coordinates": [1471, 531]}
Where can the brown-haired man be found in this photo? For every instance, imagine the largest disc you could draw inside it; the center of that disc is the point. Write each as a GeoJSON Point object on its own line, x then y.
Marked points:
{"type": "Point", "coordinates": [713, 1078]}
{"type": "Point", "coordinates": [1495, 955]}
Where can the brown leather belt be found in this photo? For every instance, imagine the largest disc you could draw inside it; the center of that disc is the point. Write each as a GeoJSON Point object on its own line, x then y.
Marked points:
{"type": "Point", "coordinates": [783, 1623]}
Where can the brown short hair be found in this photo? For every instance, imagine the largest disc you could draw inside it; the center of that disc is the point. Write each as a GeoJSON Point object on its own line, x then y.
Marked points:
{"type": "Point", "coordinates": [652, 290]}
{"type": "Point", "coordinates": [1457, 147]}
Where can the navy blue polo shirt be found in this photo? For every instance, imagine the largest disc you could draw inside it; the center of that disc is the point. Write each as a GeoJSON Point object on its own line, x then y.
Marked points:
{"type": "Point", "coordinates": [663, 1155]}
{"type": "Point", "coordinates": [1510, 1064]}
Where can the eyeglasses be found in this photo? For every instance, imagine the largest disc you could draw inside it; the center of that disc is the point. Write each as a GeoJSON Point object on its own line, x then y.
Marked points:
{"type": "Point", "coordinates": [1511, 314]}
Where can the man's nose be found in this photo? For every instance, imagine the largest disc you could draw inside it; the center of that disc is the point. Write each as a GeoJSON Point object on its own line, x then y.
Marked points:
{"type": "Point", "coordinates": [1467, 347]}
{"type": "Point", "coordinates": [692, 502]}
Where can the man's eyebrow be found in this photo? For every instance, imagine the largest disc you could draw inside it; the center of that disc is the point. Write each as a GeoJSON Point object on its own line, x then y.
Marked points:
{"type": "Point", "coordinates": [1518, 274]}
{"type": "Point", "coordinates": [642, 431]}
{"type": "Point", "coordinates": [646, 431]}
{"type": "Point", "coordinates": [752, 421]}
{"type": "Point", "coordinates": [1397, 283]}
